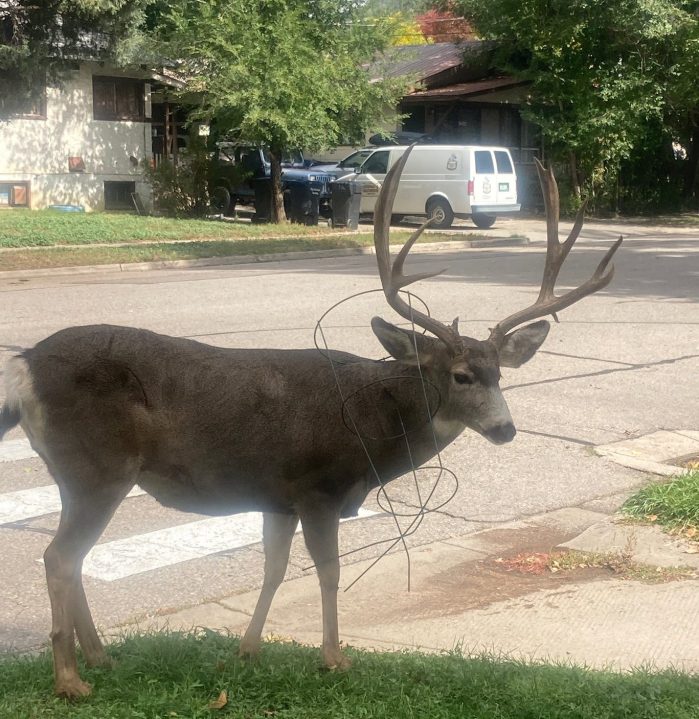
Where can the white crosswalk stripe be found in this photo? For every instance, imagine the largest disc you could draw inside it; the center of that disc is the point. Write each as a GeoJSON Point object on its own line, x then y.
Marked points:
{"type": "Point", "coordinates": [13, 449]}
{"type": "Point", "coordinates": [165, 547]}
{"type": "Point", "coordinates": [139, 553]}
{"type": "Point", "coordinates": [36, 502]}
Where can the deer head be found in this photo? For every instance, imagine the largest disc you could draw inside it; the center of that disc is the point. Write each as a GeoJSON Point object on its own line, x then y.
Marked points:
{"type": "Point", "coordinates": [466, 371]}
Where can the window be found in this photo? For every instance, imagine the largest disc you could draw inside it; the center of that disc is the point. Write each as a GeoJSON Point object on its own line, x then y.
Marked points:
{"type": "Point", "coordinates": [14, 194]}
{"type": "Point", "coordinates": [503, 162]}
{"type": "Point", "coordinates": [377, 164]}
{"type": "Point", "coordinates": [484, 161]}
{"type": "Point", "coordinates": [23, 98]}
{"type": "Point", "coordinates": [415, 120]}
{"type": "Point", "coordinates": [118, 98]}
{"type": "Point", "coordinates": [117, 195]}
{"type": "Point", "coordinates": [470, 125]}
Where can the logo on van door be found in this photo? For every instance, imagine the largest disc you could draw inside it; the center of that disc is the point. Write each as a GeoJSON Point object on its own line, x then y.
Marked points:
{"type": "Point", "coordinates": [486, 187]}
{"type": "Point", "coordinates": [452, 162]}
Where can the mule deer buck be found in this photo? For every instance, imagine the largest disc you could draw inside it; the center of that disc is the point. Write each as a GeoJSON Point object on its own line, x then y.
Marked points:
{"type": "Point", "coordinates": [220, 431]}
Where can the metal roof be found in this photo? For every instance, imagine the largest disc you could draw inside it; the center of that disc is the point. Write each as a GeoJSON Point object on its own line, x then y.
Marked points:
{"type": "Point", "coordinates": [425, 60]}
{"type": "Point", "coordinates": [466, 89]}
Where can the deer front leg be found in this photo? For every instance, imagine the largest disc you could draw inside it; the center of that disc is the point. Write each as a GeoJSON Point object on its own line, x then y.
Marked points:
{"type": "Point", "coordinates": [278, 531]}
{"type": "Point", "coordinates": [320, 527]}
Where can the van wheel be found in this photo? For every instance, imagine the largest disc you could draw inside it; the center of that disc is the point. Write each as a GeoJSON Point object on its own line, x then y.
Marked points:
{"type": "Point", "coordinates": [483, 221]}
{"type": "Point", "coordinates": [440, 212]}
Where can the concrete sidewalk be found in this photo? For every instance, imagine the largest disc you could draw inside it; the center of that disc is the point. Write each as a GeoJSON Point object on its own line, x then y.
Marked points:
{"type": "Point", "coordinates": [494, 591]}
{"type": "Point", "coordinates": [477, 593]}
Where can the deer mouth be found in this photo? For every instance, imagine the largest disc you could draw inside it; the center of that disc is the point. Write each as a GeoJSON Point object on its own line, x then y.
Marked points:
{"type": "Point", "coordinates": [497, 434]}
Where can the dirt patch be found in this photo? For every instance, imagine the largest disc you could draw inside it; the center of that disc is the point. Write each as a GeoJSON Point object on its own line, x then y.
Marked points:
{"type": "Point", "coordinates": [475, 585]}
{"type": "Point", "coordinates": [688, 461]}
{"type": "Point", "coordinates": [479, 584]}
{"type": "Point", "coordinates": [532, 538]}
{"type": "Point", "coordinates": [523, 561]}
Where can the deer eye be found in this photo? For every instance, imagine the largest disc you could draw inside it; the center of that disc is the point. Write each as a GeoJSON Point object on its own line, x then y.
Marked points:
{"type": "Point", "coordinates": [463, 378]}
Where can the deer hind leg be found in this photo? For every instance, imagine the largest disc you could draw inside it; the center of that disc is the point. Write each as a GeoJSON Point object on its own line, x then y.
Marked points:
{"type": "Point", "coordinates": [83, 519]}
{"type": "Point", "coordinates": [278, 531]}
{"type": "Point", "coordinates": [320, 526]}
{"type": "Point", "coordinates": [90, 642]}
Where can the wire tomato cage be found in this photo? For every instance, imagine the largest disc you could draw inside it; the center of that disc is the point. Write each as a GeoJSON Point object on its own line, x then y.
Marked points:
{"type": "Point", "coordinates": [371, 416]}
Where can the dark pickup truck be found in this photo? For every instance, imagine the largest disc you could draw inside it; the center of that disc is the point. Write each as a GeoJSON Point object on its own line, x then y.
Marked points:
{"type": "Point", "coordinates": [240, 167]}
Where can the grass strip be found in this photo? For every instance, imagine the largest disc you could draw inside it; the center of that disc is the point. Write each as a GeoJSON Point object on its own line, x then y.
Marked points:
{"type": "Point", "coordinates": [160, 251]}
{"type": "Point", "coordinates": [147, 252]}
{"type": "Point", "coordinates": [181, 675]}
{"type": "Point", "coordinates": [673, 505]}
{"type": "Point", "coordinates": [27, 228]}
{"type": "Point", "coordinates": [44, 228]}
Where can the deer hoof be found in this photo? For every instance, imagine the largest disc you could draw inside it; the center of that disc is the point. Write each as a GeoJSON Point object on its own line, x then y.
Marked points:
{"type": "Point", "coordinates": [73, 688]}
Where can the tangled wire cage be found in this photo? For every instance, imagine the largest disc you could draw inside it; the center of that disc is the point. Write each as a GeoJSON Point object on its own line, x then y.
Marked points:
{"type": "Point", "coordinates": [372, 429]}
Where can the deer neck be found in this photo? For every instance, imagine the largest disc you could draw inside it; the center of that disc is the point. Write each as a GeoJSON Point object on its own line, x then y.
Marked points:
{"type": "Point", "coordinates": [446, 429]}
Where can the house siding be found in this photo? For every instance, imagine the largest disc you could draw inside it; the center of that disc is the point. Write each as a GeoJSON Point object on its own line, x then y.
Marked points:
{"type": "Point", "coordinates": [38, 150]}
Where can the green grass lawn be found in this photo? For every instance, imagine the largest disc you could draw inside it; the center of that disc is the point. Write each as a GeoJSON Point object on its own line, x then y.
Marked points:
{"type": "Point", "coordinates": [33, 240]}
{"type": "Point", "coordinates": [171, 675]}
{"type": "Point", "coordinates": [674, 504]}
{"type": "Point", "coordinates": [197, 249]}
{"type": "Point", "coordinates": [44, 228]}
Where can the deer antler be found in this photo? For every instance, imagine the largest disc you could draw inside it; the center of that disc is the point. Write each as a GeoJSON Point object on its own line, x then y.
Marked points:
{"type": "Point", "coordinates": [548, 303]}
{"type": "Point", "coordinates": [392, 277]}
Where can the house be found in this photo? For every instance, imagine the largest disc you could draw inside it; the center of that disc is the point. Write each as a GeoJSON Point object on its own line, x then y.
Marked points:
{"type": "Point", "coordinates": [87, 142]}
{"type": "Point", "coordinates": [456, 97]}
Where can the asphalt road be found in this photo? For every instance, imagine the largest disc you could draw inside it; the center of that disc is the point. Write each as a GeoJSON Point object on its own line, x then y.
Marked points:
{"type": "Point", "coordinates": [622, 363]}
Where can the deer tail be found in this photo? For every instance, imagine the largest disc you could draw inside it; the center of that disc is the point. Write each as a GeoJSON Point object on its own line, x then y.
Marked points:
{"type": "Point", "coordinates": [16, 375]}
{"type": "Point", "coordinates": [9, 418]}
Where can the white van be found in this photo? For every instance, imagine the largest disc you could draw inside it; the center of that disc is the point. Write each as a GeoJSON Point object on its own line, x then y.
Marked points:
{"type": "Point", "coordinates": [439, 181]}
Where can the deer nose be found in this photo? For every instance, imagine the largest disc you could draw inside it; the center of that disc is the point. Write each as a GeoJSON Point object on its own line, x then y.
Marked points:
{"type": "Point", "coordinates": [502, 433]}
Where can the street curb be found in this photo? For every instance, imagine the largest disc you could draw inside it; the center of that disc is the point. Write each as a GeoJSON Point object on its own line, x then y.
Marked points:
{"type": "Point", "coordinates": [254, 259]}
{"type": "Point", "coordinates": [655, 453]}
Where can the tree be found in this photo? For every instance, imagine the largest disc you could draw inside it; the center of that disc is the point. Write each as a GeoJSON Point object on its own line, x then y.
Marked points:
{"type": "Point", "coordinates": [39, 39]}
{"type": "Point", "coordinates": [405, 30]}
{"type": "Point", "coordinates": [599, 71]}
{"type": "Point", "coordinates": [682, 98]}
{"type": "Point", "coordinates": [443, 25]}
{"type": "Point", "coordinates": [286, 74]}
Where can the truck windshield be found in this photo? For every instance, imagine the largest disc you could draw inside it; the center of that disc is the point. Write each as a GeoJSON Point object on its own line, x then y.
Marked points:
{"type": "Point", "coordinates": [290, 158]}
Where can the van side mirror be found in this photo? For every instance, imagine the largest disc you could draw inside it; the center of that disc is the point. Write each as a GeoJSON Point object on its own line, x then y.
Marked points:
{"type": "Point", "coordinates": [357, 169]}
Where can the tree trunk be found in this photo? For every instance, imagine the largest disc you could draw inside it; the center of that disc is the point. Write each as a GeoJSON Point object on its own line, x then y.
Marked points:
{"type": "Point", "coordinates": [574, 179]}
{"type": "Point", "coordinates": [690, 174]}
{"type": "Point", "coordinates": [278, 214]}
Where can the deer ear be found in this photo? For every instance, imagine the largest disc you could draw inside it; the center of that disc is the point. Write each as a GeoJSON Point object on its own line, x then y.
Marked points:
{"type": "Point", "coordinates": [401, 344]}
{"type": "Point", "coordinates": [521, 345]}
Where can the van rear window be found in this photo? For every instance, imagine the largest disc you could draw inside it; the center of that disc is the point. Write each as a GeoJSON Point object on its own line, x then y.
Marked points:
{"type": "Point", "coordinates": [503, 162]}
{"type": "Point", "coordinates": [484, 161]}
